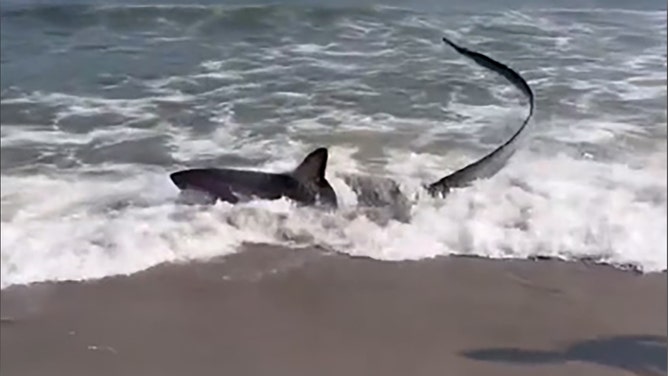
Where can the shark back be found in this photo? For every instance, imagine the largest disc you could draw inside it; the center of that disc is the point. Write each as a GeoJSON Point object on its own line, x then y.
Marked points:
{"type": "Point", "coordinates": [305, 185]}
{"type": "Point", "coordinates": [233, 185]}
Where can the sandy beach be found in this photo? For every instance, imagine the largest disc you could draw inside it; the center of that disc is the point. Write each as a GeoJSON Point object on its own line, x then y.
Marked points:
{"type": "Point", "coordinates": [276, 311]}
{"type": "Point", "coordinates": [558, 151]}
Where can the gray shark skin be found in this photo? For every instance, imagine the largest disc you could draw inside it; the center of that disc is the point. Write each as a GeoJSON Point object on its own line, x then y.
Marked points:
{"type": "Point", "coordinates": [306, 185]}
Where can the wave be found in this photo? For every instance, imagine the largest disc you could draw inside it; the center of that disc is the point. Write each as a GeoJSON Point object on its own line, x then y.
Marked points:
{"type": "Point", "coordinates": [207, 17]}
{"type": "Point", "coordinates": [374, 85]}
{"type": "Point", "coordinates": [118, 219]}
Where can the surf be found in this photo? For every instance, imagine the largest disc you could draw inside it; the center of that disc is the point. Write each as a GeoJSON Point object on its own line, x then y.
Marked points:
{"type": "Point", "coordinates": [307, 184]}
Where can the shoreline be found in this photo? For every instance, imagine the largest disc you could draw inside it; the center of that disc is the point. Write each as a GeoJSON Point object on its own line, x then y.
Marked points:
{"type": "Point", "coordinates": [585, 261]}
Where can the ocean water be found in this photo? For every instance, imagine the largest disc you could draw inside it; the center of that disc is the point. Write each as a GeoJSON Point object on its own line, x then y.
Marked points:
{"type": "Point", "coordinates": [101, 101]}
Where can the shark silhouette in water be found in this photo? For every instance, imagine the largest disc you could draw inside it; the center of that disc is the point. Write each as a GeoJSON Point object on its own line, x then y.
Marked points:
{"type": "Point", "coordinates": [307, 184]}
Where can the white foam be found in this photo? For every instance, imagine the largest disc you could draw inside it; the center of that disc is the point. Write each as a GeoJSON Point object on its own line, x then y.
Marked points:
{"type": "Point", "coordinates": [557, 207]}
{"type": "Point", "coordinates": [547, 206]}
{"type": "Point", "coordinates": [85, 234]}
{"type": "Point", "coordinates": [131, 110]}
{"type": "Point", "coordinates": [84, 106]}
{"type": "Point", "coordinates": [184, 147]}
{"type": "Point", "coordinates": [591, 131]}
{"type": "Point", "coordinates": [329, 50]}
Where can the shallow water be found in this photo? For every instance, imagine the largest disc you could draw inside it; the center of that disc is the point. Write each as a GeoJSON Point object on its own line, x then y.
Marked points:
{"type": "Point", "coordinates": [100, 103]}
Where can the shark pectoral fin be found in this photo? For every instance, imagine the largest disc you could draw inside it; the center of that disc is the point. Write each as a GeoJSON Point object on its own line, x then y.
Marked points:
{"type": "Point", "coordinates": [313, 166]}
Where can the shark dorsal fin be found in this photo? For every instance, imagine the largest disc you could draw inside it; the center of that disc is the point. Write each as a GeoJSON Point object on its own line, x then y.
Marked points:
{"type": "Point", "coordinates": [313, 166]}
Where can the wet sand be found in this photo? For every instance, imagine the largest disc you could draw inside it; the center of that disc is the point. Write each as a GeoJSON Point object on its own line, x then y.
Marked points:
{"type": "Point", "coordinates": [274, 311]}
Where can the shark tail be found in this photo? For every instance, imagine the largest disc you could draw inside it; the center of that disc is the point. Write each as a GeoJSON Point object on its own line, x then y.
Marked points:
{"type": "Point", "coordinates": [490, 164]}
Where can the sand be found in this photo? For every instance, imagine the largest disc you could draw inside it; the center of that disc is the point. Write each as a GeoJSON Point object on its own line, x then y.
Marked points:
{"type": "Point", "coordinates": [275, 311]}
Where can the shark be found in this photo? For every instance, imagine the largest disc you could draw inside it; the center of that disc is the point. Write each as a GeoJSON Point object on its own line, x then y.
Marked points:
{"type": "Point", "coordinates": [307, 184]}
